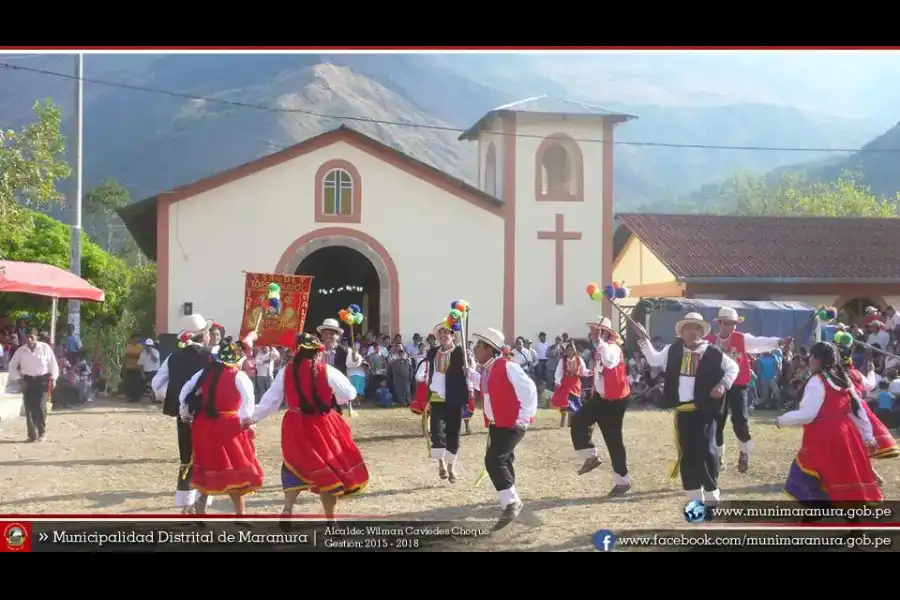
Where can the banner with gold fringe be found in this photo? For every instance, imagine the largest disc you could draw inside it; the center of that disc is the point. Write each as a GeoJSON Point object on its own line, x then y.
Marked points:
{"type": "Point", "coordinates": [277, 323]}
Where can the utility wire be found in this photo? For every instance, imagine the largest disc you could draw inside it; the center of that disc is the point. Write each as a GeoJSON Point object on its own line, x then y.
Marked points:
{"type": "Point", "coordinates": [276, 109]}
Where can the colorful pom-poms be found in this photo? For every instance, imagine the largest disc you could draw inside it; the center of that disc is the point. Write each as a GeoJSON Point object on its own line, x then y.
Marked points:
{"type": "Point", "coordinates": [826, 313]}
{"type": "Point", "coordinates": [842, 338]}
{"type": "Point", "coordinates": [274, 303]}
{"type": "Point", "coordinates": [459, 309]}
{"type": "Point", "coordinates": [460, 305]}
{"type": "Point", "coordinates": [351, 315]}
{"type": "Point", "coordinates": [274, 288]}
{"type": "Point", "coordinates": [614, 291]}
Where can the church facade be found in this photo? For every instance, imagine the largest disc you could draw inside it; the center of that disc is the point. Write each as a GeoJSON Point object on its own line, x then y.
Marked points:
{"type": "Point", "coordinates": [519, 246]}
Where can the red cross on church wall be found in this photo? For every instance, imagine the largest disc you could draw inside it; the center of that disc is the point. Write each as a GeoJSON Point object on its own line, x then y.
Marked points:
{"type": "Point", "coordinates": [560, 237]}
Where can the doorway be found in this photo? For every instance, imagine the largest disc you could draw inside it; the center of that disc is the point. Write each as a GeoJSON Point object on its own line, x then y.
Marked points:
{"type": "Point", "coordinates": [854, 311]}
{"type": "Point", "coordinates": [341, 276]}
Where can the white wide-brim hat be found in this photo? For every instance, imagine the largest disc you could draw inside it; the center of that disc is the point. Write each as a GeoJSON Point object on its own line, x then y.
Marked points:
{"type": "Point", "coordinates": [492, 338]}
{"type": "Point", "coordinates": [692, 319]}
{"type": "Point", "coordinates": [442, 325]}
{"type": "Point", "coordinates": [727, 313]}
{"type": "Point", "coordinates": [194, 325]}
{"type": "Point", "coordinates": [605, 324]}
{"type": "Point", "coordinates": [330, 325]}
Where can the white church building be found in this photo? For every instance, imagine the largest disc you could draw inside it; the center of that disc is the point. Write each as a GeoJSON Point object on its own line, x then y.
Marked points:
{"type": "Point", "coordinates": [401, 238]}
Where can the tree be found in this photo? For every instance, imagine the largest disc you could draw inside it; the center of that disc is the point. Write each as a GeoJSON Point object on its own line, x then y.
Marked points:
{"type": "Point", "coordinates": [101, 222]}
{"type": "Point", "coordinates": [793, 195]}
{"type": "Point", "coordinates": [32, 163]}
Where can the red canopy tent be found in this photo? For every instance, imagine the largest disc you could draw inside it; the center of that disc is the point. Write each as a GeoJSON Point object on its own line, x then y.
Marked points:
{"type": "Point", "coordinates": [46, 280]}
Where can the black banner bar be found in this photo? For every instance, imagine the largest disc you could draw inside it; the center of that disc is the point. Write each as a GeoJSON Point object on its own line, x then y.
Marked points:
{"type": "Point", "coordinates": [772, 539]}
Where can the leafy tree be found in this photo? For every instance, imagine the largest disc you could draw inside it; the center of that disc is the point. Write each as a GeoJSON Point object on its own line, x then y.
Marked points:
{"type": "Point", "coordinates": [793, 195]}
{"type": "Point", "coordinates": [47, 241]}
{"type": "Point", "coordinates": [32, 163]}
{"type": "Point", "coordinates": [104, 225]}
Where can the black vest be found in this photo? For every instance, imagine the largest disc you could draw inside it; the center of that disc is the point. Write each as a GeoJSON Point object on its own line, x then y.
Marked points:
{"type": "Point", "coordinates": [183, 364]}
{"type": "Point", "coordinates": [457, 384]}
{"type": "Point", "coordinates": [709, 374]}
{"type": "Point", "coordinates": [340, 360]}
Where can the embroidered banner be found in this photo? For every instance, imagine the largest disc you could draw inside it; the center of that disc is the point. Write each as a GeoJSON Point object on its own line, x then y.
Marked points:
{"type": "Point", "coordinates": [276, 328]}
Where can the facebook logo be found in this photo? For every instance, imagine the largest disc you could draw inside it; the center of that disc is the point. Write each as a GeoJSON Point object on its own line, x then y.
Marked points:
{"type": "Point", "coordinates": [604, 540]}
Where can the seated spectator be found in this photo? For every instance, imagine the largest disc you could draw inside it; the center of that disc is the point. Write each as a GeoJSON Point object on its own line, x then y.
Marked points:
{"type": "Point", "coordinates": [384, 397]}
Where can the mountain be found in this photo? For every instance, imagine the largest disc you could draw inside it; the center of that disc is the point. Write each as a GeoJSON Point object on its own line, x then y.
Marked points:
{"type": "Point", "coordinates": [874, 165]}
{"type": "Point", "coordinates": [151, 142]}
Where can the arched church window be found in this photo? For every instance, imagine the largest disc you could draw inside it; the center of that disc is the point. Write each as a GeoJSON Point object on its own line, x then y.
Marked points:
{"type": "Point", "coordinates": [490, 171]}
{"type": "Point", "coordinates": [559, 170]}
{"type": "Point", "coordinates": [337, 193]}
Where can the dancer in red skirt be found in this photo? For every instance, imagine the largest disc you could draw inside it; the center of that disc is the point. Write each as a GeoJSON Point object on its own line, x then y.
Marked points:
{"type": "Point", "coordinates": [832, 465]}
{"type": "Point", "coordinates": [317, 449]}
{"type": "Point", "coordinates": [885, 444]}
{"type": "Point", "coordinates": [567, 397]}
{"type": "Point", "coordinates": [216, 402]}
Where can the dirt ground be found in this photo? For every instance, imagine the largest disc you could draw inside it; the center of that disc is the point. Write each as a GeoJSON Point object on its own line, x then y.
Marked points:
{"type": "Point", "coordinates": [118, 458]}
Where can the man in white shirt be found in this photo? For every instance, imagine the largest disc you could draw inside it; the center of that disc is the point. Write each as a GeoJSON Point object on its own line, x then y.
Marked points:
{"type": "Point", "coordinates": [540, 350]}
{"type": "Point", "coordinates": [35, 364]}
{"type": "Point", "coordinates": [877, 335]}
{"type": "Point", "coordinates": [266, 357]}
{"type": "Point", "coordinates": [697, 376]}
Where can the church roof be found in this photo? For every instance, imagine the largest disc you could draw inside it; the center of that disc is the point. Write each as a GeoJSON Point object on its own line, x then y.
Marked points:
{"type": "Point", "coordinates": [140, 217]}
{"type": "Point", "coordinates": [546, 105]}
{"type": "Point", "coordinates": [720, 248]}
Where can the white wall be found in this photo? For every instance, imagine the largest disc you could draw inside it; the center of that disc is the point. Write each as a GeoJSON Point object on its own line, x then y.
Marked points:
{"type": "Point", "coordinates": [444, 247]}
{"type": "Point", "coordinates": [536, 308]}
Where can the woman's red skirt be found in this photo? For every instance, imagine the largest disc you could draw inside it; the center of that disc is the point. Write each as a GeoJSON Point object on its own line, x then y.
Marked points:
{"type": "Point", "coordinates": [420, 402]}
{"type": "Point", "coordinates": [569, 386]}
{"type": "Point", "coordinates": [320, 455]}
{"type": "Point", "coordinates": [887, 445]}
{"type": "Point", "coordinates": [224, 456]}
{"type": "Point", "coordinates": [834, 458]}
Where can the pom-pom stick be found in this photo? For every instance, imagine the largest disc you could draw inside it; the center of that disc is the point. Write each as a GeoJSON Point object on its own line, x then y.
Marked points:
{"type": "Point", "coordinates": [612, 292]}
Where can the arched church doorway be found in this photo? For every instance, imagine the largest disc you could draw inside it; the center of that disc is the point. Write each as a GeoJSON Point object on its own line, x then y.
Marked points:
{"type": "Point", "coordinates": [341, 276]}
{"type": "Point", "coordinates": [854, 311]}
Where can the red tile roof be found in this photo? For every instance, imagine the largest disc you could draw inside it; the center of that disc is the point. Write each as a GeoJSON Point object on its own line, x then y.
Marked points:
{"type": "Point", "coordinates": [705, 246]}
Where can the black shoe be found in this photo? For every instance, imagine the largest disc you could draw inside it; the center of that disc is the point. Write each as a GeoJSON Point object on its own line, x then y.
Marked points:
{"type": "Point", "coordinates": [620, 489]}
{"type": "Point", "coordinates": [509, 514]}
{"type": "Point", "coordinates": [743, 462]}
{"type": "Point", "coordinates": [589, 465]}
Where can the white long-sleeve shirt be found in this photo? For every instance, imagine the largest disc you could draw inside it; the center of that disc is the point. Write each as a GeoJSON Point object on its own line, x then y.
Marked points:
{"type": "Point", "coordinates": [759, 344]}
{"type": "Point", "coordinates": [241, 381]}
{"type": "Point", "coordinates": [265, 362]}
{"type": "Point", "coordinates": [160, 382]}
{"type": "Point", "coordinates": [811, 404]}
{"type": "Point", "coordinates": [686, 383]}
{"type": "Point", "coordinates": [526, 391]}
{"type": "Point", "coordinates": [343, 390]}
{"type": "Point", "coordinates": [34, 363]}
{"type": "Point", "coordinates": [583, 371]}
{"type": "Point", "coordinates": [607, 356]}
